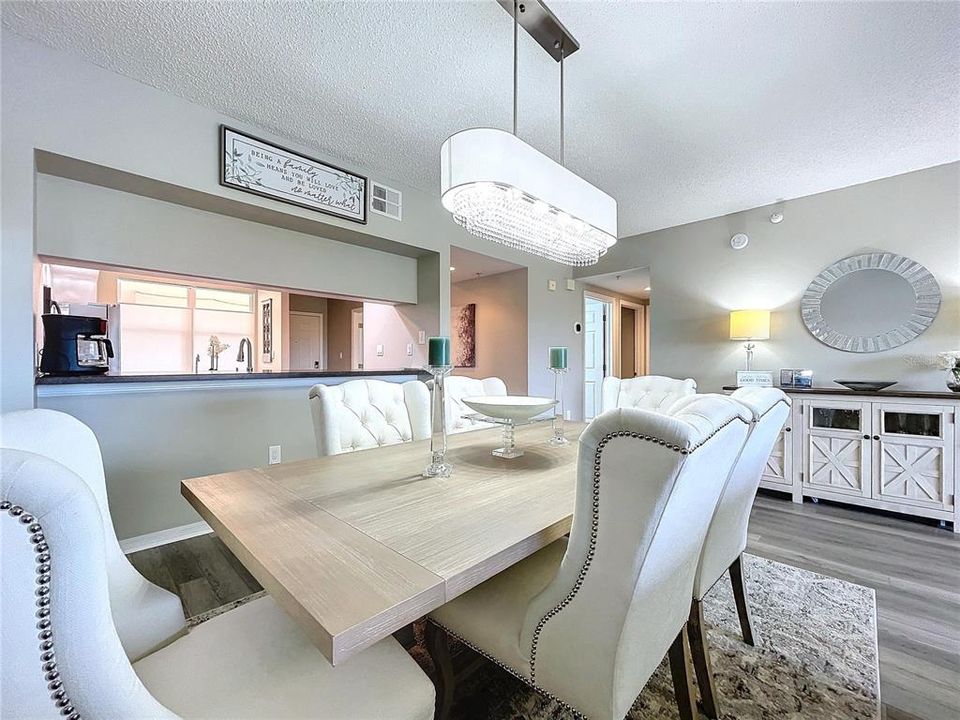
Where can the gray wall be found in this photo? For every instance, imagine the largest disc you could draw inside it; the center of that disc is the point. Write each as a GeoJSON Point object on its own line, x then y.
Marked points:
{"type": "Point", "coordinates": [501, 330]}
{"type": "Point", "coordinates": [696, 278]}
{"type": "Point", "coordinates": [85, 222]}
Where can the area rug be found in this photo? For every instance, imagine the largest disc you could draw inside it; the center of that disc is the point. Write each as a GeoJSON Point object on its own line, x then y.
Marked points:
{"type": "Point", "coordinates": [816, 657]}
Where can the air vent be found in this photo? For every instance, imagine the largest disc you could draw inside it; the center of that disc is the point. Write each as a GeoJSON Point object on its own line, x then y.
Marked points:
{"type": "Point", "coordinates": [386, 201]}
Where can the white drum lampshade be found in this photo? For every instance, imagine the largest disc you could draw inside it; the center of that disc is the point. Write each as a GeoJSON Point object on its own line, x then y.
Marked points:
{"type": "Point", "coordinates": [500, 188]}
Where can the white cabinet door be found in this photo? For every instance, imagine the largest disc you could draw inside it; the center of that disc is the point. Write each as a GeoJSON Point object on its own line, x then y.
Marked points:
{"type": "Point", "coordinates": [836, 447]}
{"type": "Point", "coordinates": [913, 454]}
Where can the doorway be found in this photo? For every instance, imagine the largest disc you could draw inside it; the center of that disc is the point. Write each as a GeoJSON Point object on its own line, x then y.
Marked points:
{"type": "Point", "coordinates": [306, 341]}
{"type": "Point", "coordinates": [597, 349]}
{"type": "Point", "coordinates": [356, 339]}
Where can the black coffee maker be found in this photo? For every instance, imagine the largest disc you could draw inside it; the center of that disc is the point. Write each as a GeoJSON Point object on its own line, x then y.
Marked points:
{"type": "Point", "coordinates": [74, 345]}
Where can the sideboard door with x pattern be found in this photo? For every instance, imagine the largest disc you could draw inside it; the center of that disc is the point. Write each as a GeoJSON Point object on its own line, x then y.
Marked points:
{"type": "Point", "coordinates": [836, 449]}
{"type": "Point", "coordinates": [912, 454]}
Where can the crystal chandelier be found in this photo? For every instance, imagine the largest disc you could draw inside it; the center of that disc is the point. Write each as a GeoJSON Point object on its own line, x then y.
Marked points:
{"type": "Point", "coordinates": [500, 188]}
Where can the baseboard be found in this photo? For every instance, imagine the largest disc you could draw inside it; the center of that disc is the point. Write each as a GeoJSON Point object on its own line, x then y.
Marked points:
{"type": "Point", "coordinates": [163, 537]}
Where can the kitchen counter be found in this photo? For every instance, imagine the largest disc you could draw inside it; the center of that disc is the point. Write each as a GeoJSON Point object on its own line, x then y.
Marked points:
{"type": "Point", "coordinates": [886, 392]}
{"type": "Point", "coordinates": [208, 377]}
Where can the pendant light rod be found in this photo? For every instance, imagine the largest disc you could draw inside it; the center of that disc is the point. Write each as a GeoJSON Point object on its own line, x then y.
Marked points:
{"type": "Point", "coordinates": [561, 106]}
{"type": "Point", "coordinates": [542, 25]}
{"type": "Point", "coordinates": [516, 26]}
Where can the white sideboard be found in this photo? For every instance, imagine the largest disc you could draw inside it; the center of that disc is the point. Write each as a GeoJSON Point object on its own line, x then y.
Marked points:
{"type": "Point", "coordinates": [896, 451]}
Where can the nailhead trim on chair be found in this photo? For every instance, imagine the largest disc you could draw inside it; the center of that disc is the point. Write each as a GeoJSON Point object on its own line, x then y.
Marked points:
{"type": "Point", "coordinates": [515, 673]}
{"type": "Point", "coordinates": [47, 656]}
{"type": "Point", "coordinates": [595, 522]}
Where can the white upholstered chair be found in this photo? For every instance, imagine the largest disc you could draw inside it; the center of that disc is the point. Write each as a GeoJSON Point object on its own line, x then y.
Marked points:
{"type": "Point", "coordinates": [588, 620]}
{"type": "Point", "coordinates": [727, 535]}
{"type": "Point", "coordinates": [458, 387]}
{"type": "Point", "coordinates": [361, 414]}
{"type": "Point", "coordinates": [647, 392]}
{"type": "Point", "coordinates": [147, 617]}
{"type": "Point", "coordinates": [63, 657]}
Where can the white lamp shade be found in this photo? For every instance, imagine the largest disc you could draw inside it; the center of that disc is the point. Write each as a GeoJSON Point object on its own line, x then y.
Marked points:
{"type": "Point", "coordinates": [501, 188]}
{"type": "Point", "coordinates": [750, 325]}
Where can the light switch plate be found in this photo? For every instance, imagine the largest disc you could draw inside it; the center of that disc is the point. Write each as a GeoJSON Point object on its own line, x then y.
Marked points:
{"type": "Point", "coordinates": [273, 455]}
{"type": "Point", "coordinates": [421, 337]}
{"type": "Point", "coordinates": [409, 348]}
{"type": "Point", "coordinates": [551, 285]}
{"type": "Point", "coordinates": [571, 284]}
{"type": "Point", "coordinates": [379, 350]}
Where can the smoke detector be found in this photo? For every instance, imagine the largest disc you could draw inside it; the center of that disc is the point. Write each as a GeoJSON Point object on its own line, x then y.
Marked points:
{"type": "Point", "coordinates": [776, 218]}
{"type": "Point", "coordinates": [739, 241]}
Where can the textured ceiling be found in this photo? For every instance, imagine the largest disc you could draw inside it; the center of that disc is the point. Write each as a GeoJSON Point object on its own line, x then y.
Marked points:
{"type": "Point", "coordinates": [468, 265]}
{"type": "Point", "coordinates": [681, 111]}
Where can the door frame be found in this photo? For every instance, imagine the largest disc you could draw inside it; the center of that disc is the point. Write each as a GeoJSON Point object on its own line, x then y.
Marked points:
{"type": "Point", "coordinates": [354, 344]}
{"type": "Point", "coordinates": [610, 361]}
{"type": "Point", "coordinates": [639, 336]}
{"type": "Point", "coordinates": [323, 345]}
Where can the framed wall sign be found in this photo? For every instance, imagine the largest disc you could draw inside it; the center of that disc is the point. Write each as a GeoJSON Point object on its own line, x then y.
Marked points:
{"type": "Point", "coordinates": [262, 168]}
{"type": "Point", "coordinates": [754, 378]}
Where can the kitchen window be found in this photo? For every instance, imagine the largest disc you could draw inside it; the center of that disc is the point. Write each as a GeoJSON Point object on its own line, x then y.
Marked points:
{"type": "Point", "coordinates": [167, 327]}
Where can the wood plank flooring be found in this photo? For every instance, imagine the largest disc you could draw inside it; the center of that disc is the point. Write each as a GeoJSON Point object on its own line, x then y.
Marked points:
{"type": "Point", "coordinates": [914, 567]}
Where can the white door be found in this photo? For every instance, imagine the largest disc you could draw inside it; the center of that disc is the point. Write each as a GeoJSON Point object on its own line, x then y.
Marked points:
{"type": "Point", "coordinates": [356, 339]}
{"type": "Point", "coordinates": [596, 332]}
{"type": "Point", "coordinates": [306, 341]}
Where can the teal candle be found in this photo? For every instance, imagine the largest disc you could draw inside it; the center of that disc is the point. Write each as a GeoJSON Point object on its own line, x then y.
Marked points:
{"type": "Point", "coordinates": [438, 351]}
{"type": "Point", "coordinates": [558, 358]}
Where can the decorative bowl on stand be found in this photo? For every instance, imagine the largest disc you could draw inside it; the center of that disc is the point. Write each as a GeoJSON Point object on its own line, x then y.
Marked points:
{"type": "Point", "coordinates": [509, 411]}
{"type": "Point", "coordinates": [868, 385]}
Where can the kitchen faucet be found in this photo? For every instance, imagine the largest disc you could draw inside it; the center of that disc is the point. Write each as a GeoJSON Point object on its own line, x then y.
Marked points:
{"type": "Point", "coordinates": [249, 353]}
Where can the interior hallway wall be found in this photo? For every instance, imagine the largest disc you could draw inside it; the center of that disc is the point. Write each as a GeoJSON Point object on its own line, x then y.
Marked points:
{"type": "Point", "coordinates": [501, 331]}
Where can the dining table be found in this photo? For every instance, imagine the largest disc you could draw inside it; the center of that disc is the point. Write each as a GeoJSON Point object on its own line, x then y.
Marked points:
{"type": "Point", "coordinates": [358, 545]}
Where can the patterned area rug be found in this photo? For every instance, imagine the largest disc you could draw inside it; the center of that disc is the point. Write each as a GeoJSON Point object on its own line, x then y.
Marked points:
{"type": "Point", "coordinates": [816, 657]}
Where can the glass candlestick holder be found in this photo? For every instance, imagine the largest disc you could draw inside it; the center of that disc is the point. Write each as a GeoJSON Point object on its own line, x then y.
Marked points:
{"type": "Point", "coordinates": [438, 466]}
{"type": "Point", "coordinates": [558, 435]}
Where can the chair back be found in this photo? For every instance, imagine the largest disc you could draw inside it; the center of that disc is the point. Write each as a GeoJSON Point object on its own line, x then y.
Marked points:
{"type": "Point", "coordinates": [146, 615]}
{"type": "Point", "coordinates": [647, 487]}
{"type": "Point", "coordinates": [62, 655]}
{"type": "Point", "coordinates": [361, 414]}
{"type": "Point", "coordinates": [647, 392]}
{"type": "Point", "coordinates": [458, 387]}
{"type": "Point", "coordinates": [727, 536]}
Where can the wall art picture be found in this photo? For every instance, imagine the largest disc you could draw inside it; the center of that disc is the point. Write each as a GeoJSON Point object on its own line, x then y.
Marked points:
{"type": "Point", "coordinates": [262, 168]}
{"type": "Point", "coordinates": [463, 322]}
{"type": "Point", "coordinates": [266, 309]}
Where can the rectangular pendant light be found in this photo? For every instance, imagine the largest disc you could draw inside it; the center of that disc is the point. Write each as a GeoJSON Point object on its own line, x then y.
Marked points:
{"type": "Point", "coordinates": [502, 189]}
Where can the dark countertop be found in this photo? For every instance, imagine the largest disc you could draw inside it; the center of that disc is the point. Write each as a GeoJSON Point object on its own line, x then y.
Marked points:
{"type": "Point", "coordinates": [201, 377]}
{"type": "Point", "coordinates": [888, 392]}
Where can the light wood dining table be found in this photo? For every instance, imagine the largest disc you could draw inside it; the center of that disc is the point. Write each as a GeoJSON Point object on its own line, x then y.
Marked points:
{"type": "Point", "coordinates": [359, 545]}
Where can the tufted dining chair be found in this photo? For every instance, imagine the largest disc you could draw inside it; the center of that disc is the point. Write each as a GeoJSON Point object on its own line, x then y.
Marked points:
{"type": "Point", "coordinates": [147, 617]}
{"type": "Point", "coordinates": [64, 659]}
{"type": "Point", "coordinates": [360, 414]}
{"type": "Point", "coordinates": [647, 392]}
{"type": "Point", "coordinates": [587, 621]}
{"type": "Point", "coordinates": [458, 387]}
{"type": "Point", "coordinates": [727, 535]}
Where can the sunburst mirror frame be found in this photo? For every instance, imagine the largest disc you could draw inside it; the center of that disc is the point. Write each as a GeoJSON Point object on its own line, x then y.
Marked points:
{"type": "Point", "coordinates": [926, 304]}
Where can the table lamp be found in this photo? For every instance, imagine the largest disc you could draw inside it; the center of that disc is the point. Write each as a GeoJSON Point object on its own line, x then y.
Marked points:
{"type": "Point", "coordinates": [749, 325]}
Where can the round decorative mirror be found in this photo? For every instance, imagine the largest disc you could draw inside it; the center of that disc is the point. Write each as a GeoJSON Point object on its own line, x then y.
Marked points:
{"type": "Point", "coordinates": [870, 303]}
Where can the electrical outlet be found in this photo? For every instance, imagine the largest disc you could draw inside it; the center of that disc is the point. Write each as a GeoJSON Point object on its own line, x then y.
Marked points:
{"type": "Point", "coordinates": [409, 349]}
{"type": "Point", "coordinates": [274, 454]}
{"type": "Point", "coordinates": [421, 337]}
{"type": "Point", "coordinates": [379, 350]}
